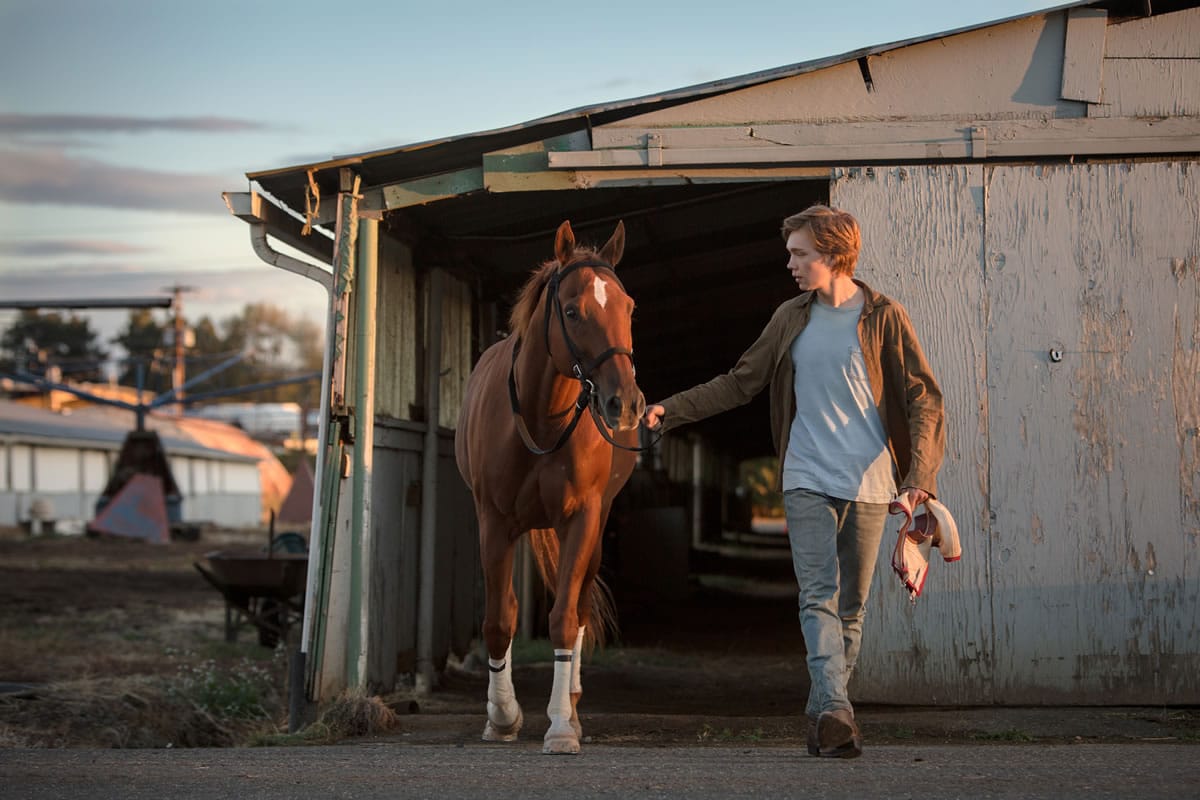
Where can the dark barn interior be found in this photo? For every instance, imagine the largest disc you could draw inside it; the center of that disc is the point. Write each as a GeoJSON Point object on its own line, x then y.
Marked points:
{"type": "Point", "coordinates": [705, 264]}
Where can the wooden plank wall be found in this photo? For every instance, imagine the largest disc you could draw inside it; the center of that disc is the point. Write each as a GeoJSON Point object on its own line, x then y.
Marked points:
{"type": "Point", "coordinates": [1152, 67]}
{"type": "Point", "coordinates": [395, 582]}
{"type": "Point", "coordinates": [1063, 323]}
{"type": "Point", "coordinates": [923, 245]}
{"type": "Point", "coordinates": [1095, 569]}
{"type": "Point", "coordinates": [1009, 71]}
{"type": "Point", "coordinates": [395, 557]}
{"type": "Point", "coordinates": [396, 340]}
{"type": "Point", "coordinates": [457, 356]}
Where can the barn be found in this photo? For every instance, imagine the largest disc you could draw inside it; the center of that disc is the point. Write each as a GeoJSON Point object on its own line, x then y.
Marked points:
{"type": "Point", "coordinates": [1027, 188]}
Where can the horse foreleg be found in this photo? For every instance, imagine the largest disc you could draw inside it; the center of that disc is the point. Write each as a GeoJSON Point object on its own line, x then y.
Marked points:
{"type": "Point", "coordinates": [576, 683]}
{"type": "Point", "coordinates": [585, 615]}
{"type": "Point", "coordinates": [566, 633]}
{"type": "Point", "coordinates": [504, 716]}
{"type": "Point", "coordinates": [564, 733]}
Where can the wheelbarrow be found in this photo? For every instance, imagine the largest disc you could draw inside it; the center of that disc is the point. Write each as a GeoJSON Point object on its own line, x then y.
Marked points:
{"type": "Point", "coordinates": [261, 589]}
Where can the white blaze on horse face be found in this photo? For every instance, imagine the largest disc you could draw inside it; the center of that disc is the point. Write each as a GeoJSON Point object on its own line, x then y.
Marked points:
{"type": "Point", "coordinates": [600, 288]}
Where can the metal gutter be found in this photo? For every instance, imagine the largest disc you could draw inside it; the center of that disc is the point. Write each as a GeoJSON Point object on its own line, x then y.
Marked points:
{"type": "Point", "coordinates": [247, 206]}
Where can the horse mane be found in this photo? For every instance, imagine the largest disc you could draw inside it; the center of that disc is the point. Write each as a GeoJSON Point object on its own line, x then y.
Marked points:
{"type": "Point", "coordinates": [527, 299]}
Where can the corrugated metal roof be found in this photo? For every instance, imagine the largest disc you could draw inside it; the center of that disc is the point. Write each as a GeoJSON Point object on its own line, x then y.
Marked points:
{"type": "Point", "coordinates": [436, 156]}
{"type": "Point", "coordinates": [95, 427]}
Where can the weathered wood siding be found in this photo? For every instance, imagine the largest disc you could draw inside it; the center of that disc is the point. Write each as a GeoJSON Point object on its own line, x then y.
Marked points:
{"type": "Point", "coordinates": [1152, 67]}
{"type": "Point", "coordinates": [397, 384]}
{"type": "Point", "coordinates": [457, 355]}
{"type": "Point", "coordinates": [923, 245]}
{"type": "Point", "coordinates": [403, 310]}
{"type": "Point", "coordinates": [394, 577]}
{"type": "Point", "coordinates": [1095, 576]}
{"type": "Point", "coordinates": [1009, 71]}
{"type": "Point", "coordinates": [1060, 307]}
{"type": "Point", "coordinates": [395, 581]}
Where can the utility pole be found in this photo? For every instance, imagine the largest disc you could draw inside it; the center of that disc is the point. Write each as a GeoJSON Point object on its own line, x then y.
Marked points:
{"type": "Point", "coordinates": [178, 377]}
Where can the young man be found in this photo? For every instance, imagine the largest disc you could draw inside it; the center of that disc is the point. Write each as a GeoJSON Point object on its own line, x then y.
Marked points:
{"type": "Point", "coordinates": [857, 418]}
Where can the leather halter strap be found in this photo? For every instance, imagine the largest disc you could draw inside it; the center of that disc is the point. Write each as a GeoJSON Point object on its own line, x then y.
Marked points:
{"type": "Point", "coordinates": [581, 371]}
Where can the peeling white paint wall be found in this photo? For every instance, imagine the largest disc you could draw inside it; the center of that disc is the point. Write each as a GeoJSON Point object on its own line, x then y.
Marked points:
{"type": "Point", "coordinates": [1060, 308]}
{"type": "Point", "coordinates": [1096, 581]}
{"type": "Point", "coordinates": [923, 245]}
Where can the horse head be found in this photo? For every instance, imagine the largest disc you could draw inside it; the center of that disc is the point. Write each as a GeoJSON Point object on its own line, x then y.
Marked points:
{"type": "Point", "coordinates": [592, 336]}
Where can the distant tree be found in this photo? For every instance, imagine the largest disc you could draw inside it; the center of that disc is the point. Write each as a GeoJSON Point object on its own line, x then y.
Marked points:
{"type": "Point", "coordinates": [142, 340]}
{"type": "Point", "coordinates": [275, 347]}
{"type": "Point", "coordinates": [40, 342]}
{"type": "Point", "coordinates": [209, 341]}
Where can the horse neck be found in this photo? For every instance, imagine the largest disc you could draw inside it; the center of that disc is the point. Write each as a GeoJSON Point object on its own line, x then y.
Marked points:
{"type": "Point", "coordinates": [542, 390]}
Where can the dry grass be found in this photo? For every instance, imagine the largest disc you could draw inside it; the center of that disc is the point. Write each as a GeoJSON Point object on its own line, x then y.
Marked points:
{"type": "Point", "coordinates": [352, 713]}
{"type": "Point", "coordinates": [123, 644]}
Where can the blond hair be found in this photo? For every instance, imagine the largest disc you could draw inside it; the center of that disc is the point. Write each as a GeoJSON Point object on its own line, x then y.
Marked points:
{"type": "Point", "coordinates": [834, 232]}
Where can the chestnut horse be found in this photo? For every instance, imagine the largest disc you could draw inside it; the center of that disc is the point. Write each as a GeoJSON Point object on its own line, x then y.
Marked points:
{"type": "Point", "coordinates": [532, 467]}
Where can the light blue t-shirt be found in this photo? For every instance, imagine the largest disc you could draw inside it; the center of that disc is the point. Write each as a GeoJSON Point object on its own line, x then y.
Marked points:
{"type": "Point", "coordinates": [837, 444]}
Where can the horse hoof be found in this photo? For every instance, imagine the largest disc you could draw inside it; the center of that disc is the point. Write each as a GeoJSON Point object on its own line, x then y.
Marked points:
{"type": "Point", "coordinates": [560, 744]}
{"type": "Point", "coordinates": [495, 733]}
{"type": "Point", "coordinates": [575, 726]}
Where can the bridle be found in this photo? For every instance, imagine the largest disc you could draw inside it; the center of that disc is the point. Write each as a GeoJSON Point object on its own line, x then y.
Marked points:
{"type": "Point", "coordinates": [581, 369]}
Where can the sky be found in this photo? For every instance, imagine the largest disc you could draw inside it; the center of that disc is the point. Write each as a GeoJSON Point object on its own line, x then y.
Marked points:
{"type": "Point", "coordinates": [122, 121]}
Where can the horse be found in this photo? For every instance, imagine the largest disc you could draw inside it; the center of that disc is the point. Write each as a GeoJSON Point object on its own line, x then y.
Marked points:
{"type": "Point", "coordinates": [532, 467]}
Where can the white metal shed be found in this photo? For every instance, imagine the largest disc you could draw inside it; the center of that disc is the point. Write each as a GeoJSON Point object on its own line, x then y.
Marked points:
{"type": "Point", "coordinates": [67, 459]}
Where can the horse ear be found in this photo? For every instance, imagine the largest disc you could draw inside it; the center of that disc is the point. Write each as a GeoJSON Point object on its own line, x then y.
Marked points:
{"type": "Point", "coordinates": [615, 247]}
{"type": "Point", "coordinates": [564, 243]}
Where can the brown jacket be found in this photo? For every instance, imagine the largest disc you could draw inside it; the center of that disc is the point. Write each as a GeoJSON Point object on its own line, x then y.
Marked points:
{"type": "Point", "coordinates": [907, 396]}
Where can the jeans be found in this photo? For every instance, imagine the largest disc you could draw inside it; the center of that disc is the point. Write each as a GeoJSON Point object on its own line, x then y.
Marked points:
{"type": "Point", "coordinates": [835, 544]}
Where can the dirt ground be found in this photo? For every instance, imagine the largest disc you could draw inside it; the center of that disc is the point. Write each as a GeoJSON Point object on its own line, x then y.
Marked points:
{"type": "Point", "coordinates": [121, 643]}
{"type": "Point", "coordinates": [110, 642]}
{"type": "Point", "coordinates": [115, 643]}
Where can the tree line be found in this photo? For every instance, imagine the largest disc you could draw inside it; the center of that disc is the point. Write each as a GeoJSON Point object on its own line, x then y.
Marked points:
{"type": "Point", "coordinates": [274, 345]}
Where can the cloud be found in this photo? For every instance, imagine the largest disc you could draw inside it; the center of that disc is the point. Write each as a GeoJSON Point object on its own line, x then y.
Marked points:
{"type": "Point", "coordinates": [216, 294]}
{"type": "Point", "coordinates": [36, 248]}
{"type": "Point", "coordinates": [94, 123]}
{"type": "Point", "coordinates": [227, 288]}
{"type": "Point", "coordinates": [50, 176]}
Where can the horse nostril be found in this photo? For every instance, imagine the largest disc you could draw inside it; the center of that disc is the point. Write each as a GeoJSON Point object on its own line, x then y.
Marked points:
{"type": "Point", "coordinates": [614, 407]}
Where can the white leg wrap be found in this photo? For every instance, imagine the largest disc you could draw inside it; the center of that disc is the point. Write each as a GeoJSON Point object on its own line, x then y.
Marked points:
{"type": "Point", "coordinates": [576, 660]}
{"type": "Point", "coordinates": [502, 708]}
{"type": "Point", "coordinates": [561, 738]}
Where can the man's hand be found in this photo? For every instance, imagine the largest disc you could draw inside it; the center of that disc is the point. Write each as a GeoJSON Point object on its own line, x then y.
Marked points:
{"type": "Point", "coordinates": [653, 416]}
{"type": "Point", "coordinates": [914, 496]}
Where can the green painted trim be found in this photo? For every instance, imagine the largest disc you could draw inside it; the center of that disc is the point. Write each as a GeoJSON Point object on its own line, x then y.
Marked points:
{"type": "Point", "coordinates": [365, 290]}
{"type": "Point", "coordinates": [436, 187]}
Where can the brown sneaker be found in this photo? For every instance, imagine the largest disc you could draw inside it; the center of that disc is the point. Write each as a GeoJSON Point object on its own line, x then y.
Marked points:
{"type": "Point", "coordinates": [814, 744]}
{"type": "Point", "coordinates": [838, 735]}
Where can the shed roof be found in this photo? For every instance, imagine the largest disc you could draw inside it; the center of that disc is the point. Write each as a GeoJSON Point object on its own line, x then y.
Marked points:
{"type": "Point", "coordinates": [437, 156]}
{"type": "Point", "coordinates": [97, 428]}
{"type": "Point", "coordinates": [695, 250]}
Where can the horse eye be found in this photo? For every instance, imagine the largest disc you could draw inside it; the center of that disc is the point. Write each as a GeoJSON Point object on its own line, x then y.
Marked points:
{"type": "Point", "coordinates": [571, 312]}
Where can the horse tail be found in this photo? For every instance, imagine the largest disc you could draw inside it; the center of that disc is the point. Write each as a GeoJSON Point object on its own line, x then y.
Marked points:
{"type": "Point", "coordinates": [544, 544]}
